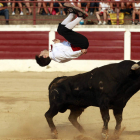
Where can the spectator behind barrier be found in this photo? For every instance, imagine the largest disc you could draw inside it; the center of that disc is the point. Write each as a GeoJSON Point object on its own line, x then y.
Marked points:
{"type": "Point", "coordinates": [115, 4]}
{"type": "Point", "coordinates": [103, 7]}
{"type": "Point", "coordinates": [93, 5]}
{"type": "Point", "coordinates": [74, 2]}
{"type": "Point", "coordinates": [81, 4]}
{"type": "Point", "coordinates": [39, 6]}
{"type": "Point", "coordinates": [15, 4]}
{"type": "Point", "coordinates": [136, 11]}
{"type": "Point", "coordinates": [4, 11]}
{"type": "Point", "coordinates": [59, 4]}
{"type": "Point", "coordinates": [28, 7]}
{"type": "Point", "coordinates": [8, 3]}
{"type": "Point", "coordinates": [126, 5]}
{"type": "Point", "coordinates": [48, 10]}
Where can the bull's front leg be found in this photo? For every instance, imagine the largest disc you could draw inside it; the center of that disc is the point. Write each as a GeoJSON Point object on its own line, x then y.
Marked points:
{"type": "Point", "coordinates": [106, 118]}
{"type": "Point", "coordinates": [118, 117]}
{"type": "Point", "coordinates": [49, 117]}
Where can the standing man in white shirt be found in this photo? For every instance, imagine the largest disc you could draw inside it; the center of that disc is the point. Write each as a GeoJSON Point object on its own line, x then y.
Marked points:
{"type": "Point", "coordinates": [75, 45]}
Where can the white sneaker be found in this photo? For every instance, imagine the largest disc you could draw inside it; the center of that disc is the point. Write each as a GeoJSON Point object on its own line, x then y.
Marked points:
{"type": "Point", "coordinates": [21, 13]}
{"type": "Point", "coordinates": [91, 13]}
{"type": "Point", "coordinates": [104, 23]}
{"type": "Point", "coordinates": [133, 23]}
{"type": "Point", "coordinates": [99, 23]}
{"type": "Point", "coordinates": [13, 13]}
{"type": "Point", "coordinates": [9, 3]}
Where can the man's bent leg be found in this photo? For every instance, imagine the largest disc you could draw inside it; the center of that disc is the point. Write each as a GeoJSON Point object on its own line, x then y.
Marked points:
{"type": "Point", "coordinates": [76, 39]}
{"type": "Point", "coordinates": [73, 23]}
{"type": "Point", "coordinates": [68, 19]}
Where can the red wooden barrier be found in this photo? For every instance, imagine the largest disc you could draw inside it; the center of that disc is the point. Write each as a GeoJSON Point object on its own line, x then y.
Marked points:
{"type": "Point", "coordinates": [26, 44]}
{"type": "Point", "coordinates": [22, 44]}
{"type": "Point", "coordinates": [103, 45]}
{"type": "Point", "coordinates": [135, 45]}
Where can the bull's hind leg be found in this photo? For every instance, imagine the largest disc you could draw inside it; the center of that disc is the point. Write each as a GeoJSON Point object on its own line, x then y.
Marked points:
{"type": "Point", "coordinates": [74, 114]}
{"type": "Point", "coordinates": [49, 117]}
{"type": "Point", "coordinates": [106, 118]}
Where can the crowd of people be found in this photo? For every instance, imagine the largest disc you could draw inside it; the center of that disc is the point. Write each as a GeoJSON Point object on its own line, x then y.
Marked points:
{"type": "Point", "coordinates": [97, 7]}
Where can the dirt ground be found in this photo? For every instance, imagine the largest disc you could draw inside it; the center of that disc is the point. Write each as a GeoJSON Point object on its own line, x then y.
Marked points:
{"type": "Point", "coordinates": [24, 101]}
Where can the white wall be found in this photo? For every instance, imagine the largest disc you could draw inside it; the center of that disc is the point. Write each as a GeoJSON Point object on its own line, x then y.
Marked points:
{"type": "Point", "coordinates": [74, 65]}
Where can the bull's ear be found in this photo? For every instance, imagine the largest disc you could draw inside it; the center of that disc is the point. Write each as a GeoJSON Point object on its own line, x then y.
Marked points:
{"type": "Point", "coordinates": [135, 67]}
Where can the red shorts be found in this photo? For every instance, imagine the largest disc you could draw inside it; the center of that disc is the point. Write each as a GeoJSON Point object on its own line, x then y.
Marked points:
{"type": "Point", "coordinates": [101, 13]}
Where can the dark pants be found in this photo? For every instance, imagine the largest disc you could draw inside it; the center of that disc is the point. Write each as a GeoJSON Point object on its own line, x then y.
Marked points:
{"type": "Point", "coordinates": [93, 5]}
{"type": "Point", "coordinates": [57, 9]}
{"type": "Point", "coordinates": [83, 4]}
{"type": "Point", "coordinates": [5, 13]}
{"type": "Point", "coordinates": [74, 38]}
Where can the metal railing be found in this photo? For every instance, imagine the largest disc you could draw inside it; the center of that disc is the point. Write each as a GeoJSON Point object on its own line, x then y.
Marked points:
{"type": "Point", "coordinates": [35, 3]}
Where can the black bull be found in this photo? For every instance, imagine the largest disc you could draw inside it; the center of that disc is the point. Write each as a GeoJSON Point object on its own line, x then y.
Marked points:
{"type": "Point", "coordinates": [107, 87]}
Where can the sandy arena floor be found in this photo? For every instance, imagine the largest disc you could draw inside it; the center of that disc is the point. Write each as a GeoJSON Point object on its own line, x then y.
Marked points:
{"type": "Point", "coordinates": [24, 101]}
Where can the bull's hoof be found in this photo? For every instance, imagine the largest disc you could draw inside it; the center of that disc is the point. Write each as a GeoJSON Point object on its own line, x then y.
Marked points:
{"type": "Point", "coordinates": [54, 134]}
{"type": "Point", "coordinates": [117, 134]}
{"type": "Point", "coordinates": [105, 136]}
{"type": "Point", "coordinates": [83, 137]}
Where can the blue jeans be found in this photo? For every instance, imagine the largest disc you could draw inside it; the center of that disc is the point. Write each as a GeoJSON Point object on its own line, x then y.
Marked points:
{"type": "Point", "coordinates": [5, 13]}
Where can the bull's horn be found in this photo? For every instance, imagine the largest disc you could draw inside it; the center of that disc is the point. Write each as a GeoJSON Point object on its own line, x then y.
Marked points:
{"type": "Point", "coordinates": [135, 67]}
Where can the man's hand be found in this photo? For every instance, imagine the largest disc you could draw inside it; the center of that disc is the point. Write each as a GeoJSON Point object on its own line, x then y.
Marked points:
{"type": "Point", "coordinates": [84, 51]}
{"type": "Point", "coordinates": [56, 41]}
{"type": "Point", "coordinates": [44, 53]}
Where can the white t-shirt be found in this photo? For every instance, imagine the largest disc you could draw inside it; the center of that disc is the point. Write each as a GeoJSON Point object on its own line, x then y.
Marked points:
{"type": "Point", "coordinates": [104, 6]}
{"type": "Point", "coordinates": [62, 52]}
{"type": "Point", "coordinates": [137, 5]}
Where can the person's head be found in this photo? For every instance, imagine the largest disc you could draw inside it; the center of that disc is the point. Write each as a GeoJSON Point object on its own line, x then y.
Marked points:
{"type": "Point", "coordinates": [43, 58]}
